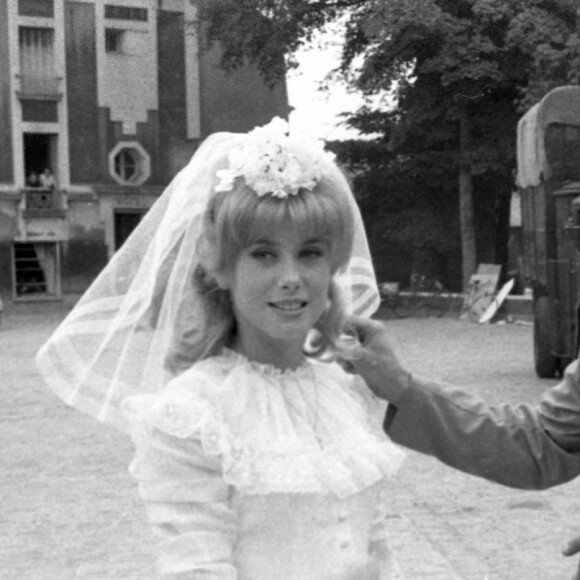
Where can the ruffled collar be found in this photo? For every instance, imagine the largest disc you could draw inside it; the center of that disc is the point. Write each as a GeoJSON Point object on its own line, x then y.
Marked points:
{"type": "Point", "coordinates": [265, 369]}
{"type": "Point", "coordinates": [313, 429]}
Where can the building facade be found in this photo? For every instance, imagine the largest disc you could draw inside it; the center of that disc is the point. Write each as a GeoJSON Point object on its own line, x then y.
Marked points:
{"type": "Point", "coordinates": [101, 103]}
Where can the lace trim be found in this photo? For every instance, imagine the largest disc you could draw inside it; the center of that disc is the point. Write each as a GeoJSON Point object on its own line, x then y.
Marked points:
{"type": "Point", "coordinates": [254, 469]}
{"type": "Point", "coordinates": [266, 369]}
{"type": "Point", "coordinates": [341, 470]}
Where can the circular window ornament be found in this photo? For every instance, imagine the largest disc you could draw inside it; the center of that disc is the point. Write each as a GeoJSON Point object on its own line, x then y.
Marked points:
{"type": "Point", "coordinates": [129, 163]}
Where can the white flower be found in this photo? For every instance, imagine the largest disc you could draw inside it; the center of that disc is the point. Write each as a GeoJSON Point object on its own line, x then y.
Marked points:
{"type": "Point", "coordinates": [274, 162]}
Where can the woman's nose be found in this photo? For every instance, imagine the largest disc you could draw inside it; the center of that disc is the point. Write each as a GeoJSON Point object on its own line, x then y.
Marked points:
{"type": "Point", "coordinates": [290, 275]}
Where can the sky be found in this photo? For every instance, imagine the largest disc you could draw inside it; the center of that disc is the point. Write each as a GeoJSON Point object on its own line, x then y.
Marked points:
{"type": "Point", "coordinates": [318, 111]}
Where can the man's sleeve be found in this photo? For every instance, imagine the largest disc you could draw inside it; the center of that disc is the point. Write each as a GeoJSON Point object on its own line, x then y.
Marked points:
{"type": "Point", "coordinates": [517, 446]}
{"type": "Point", "coordinates": [559, 410]}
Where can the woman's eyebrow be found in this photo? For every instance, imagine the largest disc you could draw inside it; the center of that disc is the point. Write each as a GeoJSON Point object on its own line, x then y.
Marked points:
{"type": "Point", "coordinates": [277, 243]}
{"type": "Point", "coordinates": [264, 242]}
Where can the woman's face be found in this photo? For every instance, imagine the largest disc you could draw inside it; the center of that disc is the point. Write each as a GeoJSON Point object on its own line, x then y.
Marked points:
{"type": "Point", "coordinates": [279, 289]}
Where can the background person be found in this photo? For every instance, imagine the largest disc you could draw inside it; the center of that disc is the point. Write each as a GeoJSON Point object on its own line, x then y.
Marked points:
{"type": "Point", "coordinates": [32, 180]}
{"type": "Point", "coordinates": [46, 179]}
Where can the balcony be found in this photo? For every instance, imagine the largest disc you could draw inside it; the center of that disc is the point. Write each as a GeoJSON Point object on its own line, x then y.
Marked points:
{"type": "Point", "coordinates": [40, 87]}
{"type": "Point", "coordinates": [36, 202]}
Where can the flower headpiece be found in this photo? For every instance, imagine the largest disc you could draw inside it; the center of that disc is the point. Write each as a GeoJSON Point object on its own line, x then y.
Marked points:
{"type": "Point", "coordinates": [274, 162]}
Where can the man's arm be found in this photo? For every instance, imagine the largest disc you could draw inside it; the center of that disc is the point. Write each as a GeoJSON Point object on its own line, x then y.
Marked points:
{"type": "Point", "coordinates": [505, 444]}
{"type": "Point", "coordinates": [559, 410]}
{"type": "Point", "coordinates": [525, 447]}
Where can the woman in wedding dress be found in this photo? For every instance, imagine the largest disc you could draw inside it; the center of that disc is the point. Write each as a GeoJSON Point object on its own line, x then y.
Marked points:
{"type": "Point", "coordinates": [212, 337]}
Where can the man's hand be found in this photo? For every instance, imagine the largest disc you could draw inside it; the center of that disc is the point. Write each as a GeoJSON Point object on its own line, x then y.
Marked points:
{"type": "Point", "coordinates": [572, 548]}
{"type": "Point", "coordinates": [375, 360]}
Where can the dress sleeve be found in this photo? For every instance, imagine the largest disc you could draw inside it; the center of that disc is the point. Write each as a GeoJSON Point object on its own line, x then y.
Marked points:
{"type": "Point", "coordinates": [178, 468]}
{"type": "Point", "coordinates": [187, 502]}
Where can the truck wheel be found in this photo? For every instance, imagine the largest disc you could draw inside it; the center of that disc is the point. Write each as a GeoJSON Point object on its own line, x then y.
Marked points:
{"type": "Point", "coordinates": [547, 364]}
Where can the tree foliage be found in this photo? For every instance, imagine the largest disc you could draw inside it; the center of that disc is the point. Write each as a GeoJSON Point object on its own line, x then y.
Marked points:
{"type": "Point", "coordinates": [461, 73]}
{"type": "Point", "coordinates": [259, 30]}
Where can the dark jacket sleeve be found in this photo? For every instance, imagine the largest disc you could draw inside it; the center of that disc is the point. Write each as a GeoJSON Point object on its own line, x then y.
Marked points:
{"type": "Point", "coordinates": [522, 446]}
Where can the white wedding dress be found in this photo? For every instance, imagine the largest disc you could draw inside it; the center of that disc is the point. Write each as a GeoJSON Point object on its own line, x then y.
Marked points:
{"type": "Point", "coordinates": [251, 473]}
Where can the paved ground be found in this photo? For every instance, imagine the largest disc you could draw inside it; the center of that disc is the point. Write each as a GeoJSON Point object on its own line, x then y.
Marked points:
{"type": "Point", "coordinates": [69, 508]}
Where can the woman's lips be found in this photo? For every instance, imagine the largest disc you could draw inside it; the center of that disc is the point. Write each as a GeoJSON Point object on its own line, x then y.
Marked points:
{"type": "Point", "coordinates": [289, 305]}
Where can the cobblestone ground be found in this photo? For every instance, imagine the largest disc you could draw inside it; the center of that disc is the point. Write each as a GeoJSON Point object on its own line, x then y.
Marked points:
{"type": "Point", "coordinates": [70, 511]}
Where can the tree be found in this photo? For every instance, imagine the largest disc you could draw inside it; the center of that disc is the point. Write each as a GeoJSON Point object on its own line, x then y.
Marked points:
{"type": "Point", "coordinates": [257, 30]}
{"type": "Point", "coordinates": [461, 72]}
{"type": "Point", "coordinates": [405, 202]}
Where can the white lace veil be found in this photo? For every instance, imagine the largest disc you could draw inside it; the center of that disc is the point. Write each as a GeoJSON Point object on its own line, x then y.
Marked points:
{"type": "Point", "coordinates": [114, 342]}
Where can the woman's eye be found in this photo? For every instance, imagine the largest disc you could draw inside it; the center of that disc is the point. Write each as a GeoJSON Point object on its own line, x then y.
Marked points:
{"type": "Point", "coordinates": [312, 253]}
{"type": "Point", "coordinates": [262, 254]}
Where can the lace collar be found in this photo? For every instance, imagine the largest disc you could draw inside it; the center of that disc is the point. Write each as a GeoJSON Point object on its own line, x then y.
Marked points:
{"type": "Point", "coordinates": [307, 430]}
{"type": "Point", "coordinates": [266, 369]}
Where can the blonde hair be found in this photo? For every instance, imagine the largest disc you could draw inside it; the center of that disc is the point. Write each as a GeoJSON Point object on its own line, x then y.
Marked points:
{"type": "Point", "coordinates": [233, 220]}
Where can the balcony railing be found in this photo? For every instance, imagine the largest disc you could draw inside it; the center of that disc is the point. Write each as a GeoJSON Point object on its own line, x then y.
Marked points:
{"type": "Point", "coordinates": [39, 86]}
{"type": "Point", "coordinates": [38, 201]}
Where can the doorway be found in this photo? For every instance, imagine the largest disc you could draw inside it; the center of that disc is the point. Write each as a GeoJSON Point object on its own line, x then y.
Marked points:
{"type": "Point", "coordinates": [36, 269]}
{"type": "Point", "coordinates": [125, 221]}
{"type": "Point", "coordinates": [39, 153]}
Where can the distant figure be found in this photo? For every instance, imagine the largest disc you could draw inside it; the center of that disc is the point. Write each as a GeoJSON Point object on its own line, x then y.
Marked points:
{"type": "Point", "coordinates": [47, 179]}
{"type": "Point", "coordinates": [32, 180]}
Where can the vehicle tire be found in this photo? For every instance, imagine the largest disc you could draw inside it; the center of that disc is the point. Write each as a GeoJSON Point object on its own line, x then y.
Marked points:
{"type": "Point", "coordinates": [546, 363]}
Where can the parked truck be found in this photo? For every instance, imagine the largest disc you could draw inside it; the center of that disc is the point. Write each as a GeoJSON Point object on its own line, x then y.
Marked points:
{"type": "Point", "coordinates": [548, 180]}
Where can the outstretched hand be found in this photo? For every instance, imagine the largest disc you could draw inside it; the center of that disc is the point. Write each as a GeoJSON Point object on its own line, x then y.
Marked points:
{"type": "Point", "coordinates": [571, 549]}
{"type": "Point", "coordinates": [375, 360]}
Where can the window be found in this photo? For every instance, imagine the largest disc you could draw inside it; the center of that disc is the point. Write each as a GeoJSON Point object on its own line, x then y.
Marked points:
{"type": "Point", "coordinates": [129, 163]}
{"type": "Point", "coordinates": [114, 39]}
{"type": "Point", "coordinates": [39, 111]}
{"type": "Point", "coordinates": [114, 12]}
{"type": "Point", "coordinates": [36, 48]}
{"type": "Point", "coordinates": [37, 63]}
{"type": "Point", "coordinates": [126, 164]}
{"type": "Point", "coordinates": [43, 8]}
{"type": "Point", "coordinates": [561, 144]}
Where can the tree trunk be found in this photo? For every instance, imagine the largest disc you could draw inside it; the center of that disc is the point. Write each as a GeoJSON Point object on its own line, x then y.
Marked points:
{"type": "Point", "coordinates": [468, 249]}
